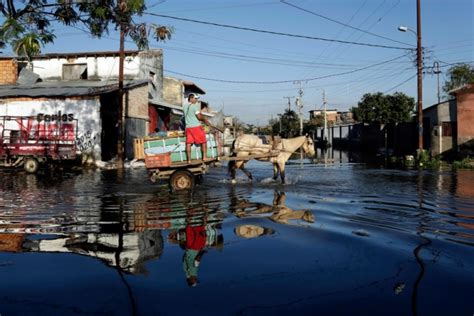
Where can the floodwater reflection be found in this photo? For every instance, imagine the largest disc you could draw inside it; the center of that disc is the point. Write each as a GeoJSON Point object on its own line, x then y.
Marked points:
{"type": "Point", "coordinates": [338, 233]}
{"type": "Point", "coordinates": [277, 212]}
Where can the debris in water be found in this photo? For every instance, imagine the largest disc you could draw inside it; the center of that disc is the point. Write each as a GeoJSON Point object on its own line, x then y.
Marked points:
{"type": "Point", "coordinates": [361, 232]}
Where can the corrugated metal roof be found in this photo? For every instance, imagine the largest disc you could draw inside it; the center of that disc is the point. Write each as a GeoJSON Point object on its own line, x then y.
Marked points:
{"type": "Point", "coordinates": [66, 88]}
{"type": "Point", "coordinates": [165, 104]}
{"type": "Point", "coordinates": [192, 87]}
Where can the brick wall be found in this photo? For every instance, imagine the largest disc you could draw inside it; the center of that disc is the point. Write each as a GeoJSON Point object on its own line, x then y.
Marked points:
{"type": "Point", "coordinates": [465, 113]}
{"type": "Point", "coordinates": [8, 71]}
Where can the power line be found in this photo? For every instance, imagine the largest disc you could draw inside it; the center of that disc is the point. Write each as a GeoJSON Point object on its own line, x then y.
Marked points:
{"type": "Point", "coordinates": [286, 81]}
{"type": "Point", "coordinates": [400, 84]}
{"type": "Point", "coordinates": [276, 33]}
{"type": "Point", "coordinates": [342, 23]}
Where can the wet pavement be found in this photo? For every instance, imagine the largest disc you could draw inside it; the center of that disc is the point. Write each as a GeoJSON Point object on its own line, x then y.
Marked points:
{"type": "Point", "coordinates": [338, 239]}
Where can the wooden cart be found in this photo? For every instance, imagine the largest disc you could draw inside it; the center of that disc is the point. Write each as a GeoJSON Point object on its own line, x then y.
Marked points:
{"type": "Point", "coordinates": [165, 158]}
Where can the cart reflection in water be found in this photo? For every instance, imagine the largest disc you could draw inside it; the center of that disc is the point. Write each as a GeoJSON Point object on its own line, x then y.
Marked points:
{"type": "Point", "coordinates": [191, 223]}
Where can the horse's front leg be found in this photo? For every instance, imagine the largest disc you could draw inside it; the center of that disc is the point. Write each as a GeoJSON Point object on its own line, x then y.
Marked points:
{"type": "Point", "coordinates": [275, 171]}
{"type": "Point", "coordinates": [281, 166]}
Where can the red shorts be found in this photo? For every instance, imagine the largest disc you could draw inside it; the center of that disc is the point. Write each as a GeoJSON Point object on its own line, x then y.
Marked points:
{"type": "Point", "coordinates": [195, 135]}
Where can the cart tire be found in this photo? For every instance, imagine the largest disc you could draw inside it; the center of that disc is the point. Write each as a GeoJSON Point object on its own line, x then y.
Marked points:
{"type": "Point", "coordinates": [181, 180]}
{"type": "Point", "coordinates": [31, 165]}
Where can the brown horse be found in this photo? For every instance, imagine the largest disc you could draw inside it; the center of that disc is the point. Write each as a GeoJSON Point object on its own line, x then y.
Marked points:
{"type": "Point", "coordinates": [278, 154]}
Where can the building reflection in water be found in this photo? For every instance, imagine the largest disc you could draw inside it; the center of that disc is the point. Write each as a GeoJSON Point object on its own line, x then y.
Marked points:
{"type": "Point", "coordinates": [124, 235]}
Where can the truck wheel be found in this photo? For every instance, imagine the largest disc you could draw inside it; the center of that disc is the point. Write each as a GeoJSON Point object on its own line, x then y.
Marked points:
{"type": "Point", "coordinates": [181, 180]}
{"type": "Point", "coordinates": [31, 165]}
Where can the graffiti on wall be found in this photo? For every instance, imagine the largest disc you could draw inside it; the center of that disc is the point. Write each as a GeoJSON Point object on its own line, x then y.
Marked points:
{"type": "Point", "coordinates": [86, 141]}
{"type": "Point", "coordinates": [26, 129]}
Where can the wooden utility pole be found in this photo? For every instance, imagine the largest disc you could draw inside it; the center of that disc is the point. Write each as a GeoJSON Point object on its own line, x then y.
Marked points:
{"type": "Point", "coordinates": [419, 63]}
{"type": "Point", "coordinates": [289, 102]}
{"type": "Point", "coordinates": [120, 125]}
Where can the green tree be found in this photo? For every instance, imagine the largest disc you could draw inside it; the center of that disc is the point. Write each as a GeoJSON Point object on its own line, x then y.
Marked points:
{"type": "Point", "coordinates": [384, 109]}
{"type": "Point", "coordinates": [312, 125]}
{"type": "Point", "coordinates": [289, 122]}
{"type": "Point", "coordinates": [458, 76]}
{"type": "Point", "coordinates": [28, 25]}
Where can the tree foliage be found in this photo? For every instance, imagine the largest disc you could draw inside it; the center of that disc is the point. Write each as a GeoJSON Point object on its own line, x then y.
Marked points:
{"type": "Point", "coordinates": [287, 125]}
{"type": "Point", "coordinates": [29, 24]}
{"type": "Point", "coordinates": [458, 76]}
{"type": "Point", "coordinates": [384, 109]}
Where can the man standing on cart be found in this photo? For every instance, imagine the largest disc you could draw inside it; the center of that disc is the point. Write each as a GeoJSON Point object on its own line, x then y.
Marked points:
{"type": "Point", "coordinates": [195, 133]}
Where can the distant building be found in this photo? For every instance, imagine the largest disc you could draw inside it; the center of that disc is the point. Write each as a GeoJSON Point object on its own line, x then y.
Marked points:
{"type": "Point", "coordinates": [333, 116]}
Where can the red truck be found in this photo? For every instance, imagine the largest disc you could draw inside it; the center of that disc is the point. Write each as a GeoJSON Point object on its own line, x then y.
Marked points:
{"type": "Point", "coordinates": [28, 141]}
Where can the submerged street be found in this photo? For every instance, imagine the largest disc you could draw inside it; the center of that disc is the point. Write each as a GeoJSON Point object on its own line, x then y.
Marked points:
{"type": "Point", "coordinates": [337, 239]}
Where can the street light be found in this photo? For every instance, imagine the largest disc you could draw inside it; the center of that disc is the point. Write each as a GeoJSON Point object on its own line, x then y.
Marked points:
{"type": "Point", "coordinates": [419, 63]}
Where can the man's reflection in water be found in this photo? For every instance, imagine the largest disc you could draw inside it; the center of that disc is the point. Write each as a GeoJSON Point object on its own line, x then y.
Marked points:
{"type": "Point", "coordinates": [200, 232]}
{"type": "Point", "coordinates": [278, 212]}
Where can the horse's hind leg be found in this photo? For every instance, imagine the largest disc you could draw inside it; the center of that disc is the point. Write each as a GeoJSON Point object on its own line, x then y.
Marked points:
{"type": "Point", "coordinates": [247, 173]}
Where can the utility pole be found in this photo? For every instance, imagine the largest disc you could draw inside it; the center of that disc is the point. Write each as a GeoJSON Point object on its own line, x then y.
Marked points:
{"type": "Point", "coordinates": [419, 63]}
{"type": "Point", "coordinates": [289, 102]}
{"type": "Point", "coordinates": [299, 105]}
{"type": "Point", "coordinates": [325, 116]}
{"type": "Point", "coordinates": [437, 72]}
{"type": "Point", "coordinates": [120, 142]}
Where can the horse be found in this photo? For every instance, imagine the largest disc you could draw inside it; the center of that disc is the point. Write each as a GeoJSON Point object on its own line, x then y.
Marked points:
{"type": "Point", "coordinates": [278, 153]}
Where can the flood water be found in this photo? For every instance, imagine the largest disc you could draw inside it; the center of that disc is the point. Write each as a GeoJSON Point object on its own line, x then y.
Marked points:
{"type": "Point", "coordinates": [338, 239]}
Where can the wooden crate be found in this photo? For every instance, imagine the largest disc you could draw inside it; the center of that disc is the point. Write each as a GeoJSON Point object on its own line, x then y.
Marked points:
{"type": "Point", "coordinates": [138, 149]}
{"type": "Point", "coordinates": [158, 161]}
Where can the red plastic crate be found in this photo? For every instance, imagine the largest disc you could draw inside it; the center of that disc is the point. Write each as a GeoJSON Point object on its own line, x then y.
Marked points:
{"type": "Point", "coordinates": [157, 161]}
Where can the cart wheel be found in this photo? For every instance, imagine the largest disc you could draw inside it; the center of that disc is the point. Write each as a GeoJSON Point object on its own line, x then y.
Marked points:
{"type": "Point", "coordinates": [181, 180]}
{"type": "Point", "coordinates": [31, 165]}
{"type": "Point", "coordinates": [153, 177]}
{"type": "Point", "coordinates": [198, 179]}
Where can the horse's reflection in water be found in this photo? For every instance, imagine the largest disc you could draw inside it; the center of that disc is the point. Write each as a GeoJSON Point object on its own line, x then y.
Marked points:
{"type": "Point", "coordinates": [277, 212]}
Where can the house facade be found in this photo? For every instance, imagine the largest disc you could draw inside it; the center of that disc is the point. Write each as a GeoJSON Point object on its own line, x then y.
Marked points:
{"type": "Point", "coordinates": [93, 105]}
{"type": "Point", "coordinates": [86, 85]}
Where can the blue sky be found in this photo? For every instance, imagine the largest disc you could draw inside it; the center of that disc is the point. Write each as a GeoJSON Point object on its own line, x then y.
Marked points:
{"type": "Point", "coordinates": [224, 54]}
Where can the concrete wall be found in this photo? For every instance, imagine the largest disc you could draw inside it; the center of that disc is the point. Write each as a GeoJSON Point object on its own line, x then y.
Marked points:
{"type": "Point", "coordinates": [173, 91]}
{"type": "Point", "coordinates": [8, 71]}
{"type": "Point", "coordinates": [85, 110]}
{"type": "Point", "coordinates": [151, 67]}
{"type": "Point", "coordinates": [442, 112]}
{"type": "Point", "coordinates": [145, 65]}
{"type": "Point", "coordinates": [97, 67]}
{"type": "Point", "coordinates": [136, 103]}
{"type": "Point", "coordinates": [440, 143]}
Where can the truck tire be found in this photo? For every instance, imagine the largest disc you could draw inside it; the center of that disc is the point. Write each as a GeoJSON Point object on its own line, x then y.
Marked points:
{"type": "Point", "coordinates": [181, 180]}
{"type": "Point", "coordinates": [31, 165]}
